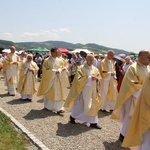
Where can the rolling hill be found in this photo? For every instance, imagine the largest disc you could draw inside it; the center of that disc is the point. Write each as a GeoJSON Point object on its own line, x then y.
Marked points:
{"type": "Point", "coordinates": [49, 44]}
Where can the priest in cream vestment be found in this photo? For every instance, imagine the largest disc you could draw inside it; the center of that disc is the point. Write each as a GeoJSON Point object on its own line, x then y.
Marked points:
{"type": "Point", "coordinates": [130, 91]}
{"type": "Point", "coordinates": [64, 73]}
{"type": "Point", "coordinates": [27, 80]}
{"type": "Point", "coordinates": [1, 67]}
{"type": "Point", "coordinates": [138, 133]}
{"type": "Point", "coordinates": [11, 70]}
{"type": "Point", "coordinates": [83, 99]}
{"type": "Point", "coordinates": [51, 83]}
{"type": "Point", "coordinates": [108, 90]}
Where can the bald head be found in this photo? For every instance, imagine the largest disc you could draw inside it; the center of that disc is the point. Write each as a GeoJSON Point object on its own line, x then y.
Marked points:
{"type": "Point", "coordinates": [90, 59]}
{"type": "Point", "coordinates": [89, 56]}
{"type": "Point", "coordinates": [144, 57]}
{"type": "Point", "coordinates": [142, 52]}
{"type": "Point", "coordinates": [110, 54]}
{"type": "Point", "coordinates": [12, 49]}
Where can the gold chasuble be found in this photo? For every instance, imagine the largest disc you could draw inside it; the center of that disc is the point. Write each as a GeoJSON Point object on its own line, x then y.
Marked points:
{"type": "Point", "coordinates": [140, 121]}
{"type": "Point", "coordinates": [1, 64]}
{"type": "Point", "coordinates": [106, 68]}
{"type": "Point", "coordinates": [27, 79]}
{"type": "Point", "coordinates": [78, 85]}
{"type": "Point", "coordinates": [132, 82]}
{"type": "Point", "coordinates": [64, 73]}
{"type": "Point", "coordinates": [11, 69]}
{"type": "Point", "coordinates": [51, 83]}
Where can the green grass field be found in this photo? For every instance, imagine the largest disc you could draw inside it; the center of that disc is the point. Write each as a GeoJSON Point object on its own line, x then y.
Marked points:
{"type": "Point", "coordinates": [9, 138]}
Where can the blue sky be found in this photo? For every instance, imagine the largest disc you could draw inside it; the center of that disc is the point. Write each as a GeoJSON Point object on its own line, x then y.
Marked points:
{"type": "Point", "coordinates": [123, 24]}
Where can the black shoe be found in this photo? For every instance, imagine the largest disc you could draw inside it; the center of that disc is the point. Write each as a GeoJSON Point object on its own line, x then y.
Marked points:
{"type": "Point", "coordinates": [95, 125]}
{"type": "Point", "coordinates": [60, 111]}
{"type": "Point", "coordinates": [72, 120]}
{"type": "Point", "coordinates": [11, 94]}
{"type": "Point", "coordinates": [28, 99]}
{"type": "Point", "coordinates": [121, 137]}
{"type": "Point", "coordinates": [102, 110]}
{"type": "Point", "coordinates": [46, 109]}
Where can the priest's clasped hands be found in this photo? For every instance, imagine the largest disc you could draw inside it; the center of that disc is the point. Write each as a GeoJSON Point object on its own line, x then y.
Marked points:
{"type": "Point", "coordinates": [57, 72]}
{"type": "Point", "coordinates": [30, 69]}
{"type": "Point", "coordinates": [15, 63]}
{"type": "Point", "coordinates": [112, 73]}
{"type": "Point", "coordinates": [94, 77]}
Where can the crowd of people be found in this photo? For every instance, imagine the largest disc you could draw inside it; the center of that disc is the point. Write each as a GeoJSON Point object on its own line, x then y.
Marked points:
{"type": "Point", "coordinates": [95, 82]}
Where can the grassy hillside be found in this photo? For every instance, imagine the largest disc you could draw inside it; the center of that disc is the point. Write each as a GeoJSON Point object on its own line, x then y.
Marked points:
{"type": "Point", "coordinates": [49, 44]}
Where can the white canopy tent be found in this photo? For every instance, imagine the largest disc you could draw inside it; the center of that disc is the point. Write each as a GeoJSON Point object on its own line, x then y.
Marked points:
{"type": "Point", "coordinates": [6, 51]}
{"type": "Point", "coordinates": [79, 50]}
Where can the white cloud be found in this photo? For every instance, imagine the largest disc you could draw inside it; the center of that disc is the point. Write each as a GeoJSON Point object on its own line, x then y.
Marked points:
{"type": "Point", "coordinates": [61, 30]}
{"type": "Point", "coordinates": [29, 34]}
{"type": "Point", "coordinates": [41, 35]}
{"type": "Point", "coordinates": [54, 30]}
{"type": "Point", "coordinates": [64, 30]}
{"type": "Point", "coordinates": [7, 35]}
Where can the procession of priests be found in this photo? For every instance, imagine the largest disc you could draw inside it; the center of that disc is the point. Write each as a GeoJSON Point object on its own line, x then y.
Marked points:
{"type": "Point", "coordinates": [84, 84]}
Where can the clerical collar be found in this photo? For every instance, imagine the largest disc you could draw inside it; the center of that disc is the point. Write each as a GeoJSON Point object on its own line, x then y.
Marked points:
{"type": "Point", "coordinates": [12, 53]}
{"type": "Point", "coordinates": [144, 66]}
{"type": "Point", "coordinates": [108, 59]}
{"type": "Point", "coordinates": [28, 62]}
{"type": "Point", "coordinates": [53, 58]}
{"type": "Point", "coordinates": [89, 67]}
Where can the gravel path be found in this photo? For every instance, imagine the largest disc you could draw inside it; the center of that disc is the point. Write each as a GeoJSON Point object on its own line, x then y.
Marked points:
{"type": "Point", "coordinates": [55, 131]}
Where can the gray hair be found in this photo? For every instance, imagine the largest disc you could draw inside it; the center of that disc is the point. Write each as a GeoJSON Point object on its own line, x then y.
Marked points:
{"type": "Point", "coordinates": [127, 57]}
{"type": "Point", "coordinates": [110, 51]}
{"type": "Point", "coordinates": [89, 55]}
{"type": "Point", "coordinates": [30, 55]}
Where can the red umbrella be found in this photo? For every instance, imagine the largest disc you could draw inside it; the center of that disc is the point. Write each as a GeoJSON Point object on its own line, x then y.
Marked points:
{"type": "Point", "coordinates": [63, 50]}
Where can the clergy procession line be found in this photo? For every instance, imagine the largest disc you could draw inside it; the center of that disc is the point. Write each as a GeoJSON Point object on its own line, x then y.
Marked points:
{"type": "Point", "coordinates": [120, 86]}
